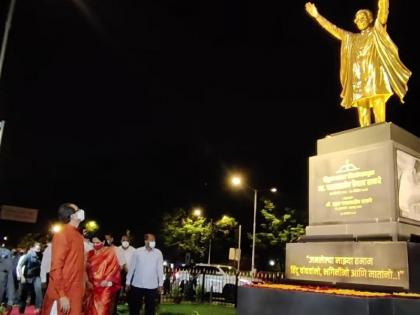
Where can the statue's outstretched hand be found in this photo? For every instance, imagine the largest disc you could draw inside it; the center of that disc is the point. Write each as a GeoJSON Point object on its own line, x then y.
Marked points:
{"type": "Point", "coordinates": [311, 9]}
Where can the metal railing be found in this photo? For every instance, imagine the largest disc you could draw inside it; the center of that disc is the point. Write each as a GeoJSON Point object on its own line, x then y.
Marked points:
{"type": "Point", "coordinates": [203, 286]}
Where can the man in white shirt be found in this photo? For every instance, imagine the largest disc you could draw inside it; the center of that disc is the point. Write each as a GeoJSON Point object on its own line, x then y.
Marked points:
{"type": "Point", "coordinates": [145, 277]}
{"type": "Point", "coordinates": [46, 264]}
{"type": "Point", "coordinates": [126, 249]}
{"type": "Point", "coordinates": [120, 256]}
{"type": "Point", "coordinates": [128, 252]}
{"type": "Point", "coordinates": [123, 267]}
{"type": "Point", "coordinates": [87, 244]}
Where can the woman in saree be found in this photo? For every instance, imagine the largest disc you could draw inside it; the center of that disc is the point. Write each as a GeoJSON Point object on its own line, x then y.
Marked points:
{"type": "Point", "coordinates": [104, 278]}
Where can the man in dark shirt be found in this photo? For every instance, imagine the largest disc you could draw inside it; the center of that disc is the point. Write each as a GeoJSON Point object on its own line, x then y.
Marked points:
{"type": "Point", "coordinates": [6, 278]}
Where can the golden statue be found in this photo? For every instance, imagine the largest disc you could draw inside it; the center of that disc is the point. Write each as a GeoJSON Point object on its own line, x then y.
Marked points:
{"type": "Point", "coordinates": [371, 70]}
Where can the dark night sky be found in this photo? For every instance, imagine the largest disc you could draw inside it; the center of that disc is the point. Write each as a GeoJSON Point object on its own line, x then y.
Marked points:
{"type": "Point", "coordinates": [131, 107]}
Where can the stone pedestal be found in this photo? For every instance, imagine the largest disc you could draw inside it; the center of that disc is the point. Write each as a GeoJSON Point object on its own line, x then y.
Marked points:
{"type": "Point", "coordinates": [252, 301]}
{"type": "Point", "coordinates": [364, 207]}
{"type": "Point", "coordinates": [364, 182]}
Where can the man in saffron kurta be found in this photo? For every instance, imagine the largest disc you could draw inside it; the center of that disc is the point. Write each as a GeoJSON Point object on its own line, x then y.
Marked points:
{"type": "Point", "coordinates": [66, 279]}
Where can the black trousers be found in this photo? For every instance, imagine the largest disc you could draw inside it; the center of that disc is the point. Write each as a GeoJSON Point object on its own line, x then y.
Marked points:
{"type": "Point", "coordinates": [31, 287]}
{"type": "Point", "coordinates": [135, 300]}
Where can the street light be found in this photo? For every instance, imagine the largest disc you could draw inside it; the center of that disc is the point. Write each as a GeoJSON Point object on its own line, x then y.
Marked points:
{"type": "Point", "coordinates": [238, 182]}
{"type": "Point", "coordinates": [211, 233]}
{"type": "Point", "coordinates": [56, 228]}
{"type": "Point", "coordinates": [91, 226]}
{"type": "Point", "coordinates": [197, 212]}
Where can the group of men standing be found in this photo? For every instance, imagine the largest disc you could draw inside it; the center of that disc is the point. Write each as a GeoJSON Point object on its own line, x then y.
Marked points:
{"type": "Point", "coordinates": [20, 277]}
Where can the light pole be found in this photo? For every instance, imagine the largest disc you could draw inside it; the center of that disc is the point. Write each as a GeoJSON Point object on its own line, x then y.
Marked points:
{"type": "Point", "coordinates": [239, 246]}
{"type": "Point", "coordinates": [237, 182]}
{"type": "Point", "coordinates": [211, 233]}
{"type": "Point", "coordinates": [254, 228]}
{"type": "Point", "coordinates": [197, 212]}
{"type": "Point", "coordinates": [6, 34]}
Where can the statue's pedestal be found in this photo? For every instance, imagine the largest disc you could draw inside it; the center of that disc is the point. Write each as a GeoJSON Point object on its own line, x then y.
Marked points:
{"type": "Point", "coordinates": [262, 301]}
{"type": "Point", "coordinates": [364, 206]}
{"type": "Point", "coordinates": [369, 264]}
{"type": "Point", "coordinates": [363, 182]}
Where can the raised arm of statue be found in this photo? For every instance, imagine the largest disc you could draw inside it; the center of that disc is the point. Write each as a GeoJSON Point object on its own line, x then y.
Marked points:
{"type": "Point", "coordinates": [327, 25]}
{"type": "Point", "coordinates": [383, 11]}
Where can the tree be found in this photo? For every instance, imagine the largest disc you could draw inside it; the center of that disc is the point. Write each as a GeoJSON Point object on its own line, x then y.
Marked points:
{"type": "Point", "coordinates": [28, 240]}
{"type": "Point", "coordinates": [189, 234]}
{"type": "Point", "coordinates": [277, 229]}
{"type": "Point", "coordinates": [224, 227]}
{"type": "Point", "coordinates": [223, 237]}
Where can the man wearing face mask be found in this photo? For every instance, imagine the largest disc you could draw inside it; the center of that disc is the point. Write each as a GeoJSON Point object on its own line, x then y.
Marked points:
{"type": "Point", "coordinates": [120, 255]}
{"type": "Point", "coordinates": [123, 267]}
{"type": "Point", "coordinates": [66, 280]}
{"type": "Point", "coordinates": [31, 280]}
{"type": "Point", "coordinates": [127, 250]}
{"type": "Point", "coordinates": [145, 277]}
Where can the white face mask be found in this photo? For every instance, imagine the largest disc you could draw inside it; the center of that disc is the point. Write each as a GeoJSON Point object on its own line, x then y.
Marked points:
{"type": "Point", "coordinates": [80, 215]}
{"type": "Point", "coordinates": [125, 244]}
{"type": "Point", "coordinates": [152, 244]}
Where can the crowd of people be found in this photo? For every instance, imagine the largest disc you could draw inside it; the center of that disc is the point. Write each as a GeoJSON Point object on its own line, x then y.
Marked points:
{"type": "Point", "coordinates": [81, 272]}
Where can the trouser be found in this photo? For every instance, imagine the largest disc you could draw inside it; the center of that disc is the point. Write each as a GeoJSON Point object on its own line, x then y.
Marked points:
{"type": "Point", "coordinates": [34, 286]}
{"type": "Point", "coordinates": [123, 294]}
{"type": "Point", "coordinates": [114, 303]}
{"type": "Point", "coordinates": [16, 283]}
{"type": "Point", "coordinates": [3, 285]}
{"type": "Point", "coordinates": [44, 286]}
{"type": "Point", "coordinates": [6, 289]}
{"type": "Point", "coordinates": [135, 301]}
{"type": "Point", "coordinates": [119, 295]}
